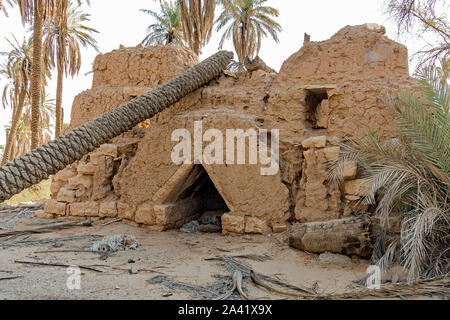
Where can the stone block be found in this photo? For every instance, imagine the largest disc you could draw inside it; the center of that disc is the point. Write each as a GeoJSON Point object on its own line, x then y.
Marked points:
{"type": "Point", "coordinates": [356, 187]}
{"type": "Point", "coordinates": [55, 207]}
{"type": "Point", "coordinates": [108, 209]}
{"type": "Point", "coordinates": [233, 224]}
{"type": "Point", "coordinates": [65, 174]}
{"type": "Point", "coordinates": [41, 214]}
{"type": "Point", "coordinates": [80, 181]}
{"type": "Point", "coordinates": [108, 150]}
{"type": "Point", "coordinates": [146, 214]}
{"type": "Point", "coordinates": [87, 169]}
{"type": "Point", "coordinates": [66, 195]}
{"type": "Point", "coordinates": [84, 209]}
{"type": "Point", "coordinates": [315, 142]}
{"type": "Point", "coordinates": [350, 170]}
{"type": "Point", "coordinates": [256, 226]}
{"type": "Point", "coordinates": [126, 211]}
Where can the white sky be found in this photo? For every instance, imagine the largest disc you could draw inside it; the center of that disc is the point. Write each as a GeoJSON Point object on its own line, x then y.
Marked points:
{"type": "Point", "coordinates": [120, 22]}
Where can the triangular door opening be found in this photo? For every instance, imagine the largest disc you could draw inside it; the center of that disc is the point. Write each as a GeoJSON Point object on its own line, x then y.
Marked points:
{"type": "Point", "coordinates": [205, 206]}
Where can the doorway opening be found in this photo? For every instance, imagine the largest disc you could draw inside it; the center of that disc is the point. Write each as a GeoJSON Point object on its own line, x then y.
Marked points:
{"type": "Point", "coordinates": [201, 202]}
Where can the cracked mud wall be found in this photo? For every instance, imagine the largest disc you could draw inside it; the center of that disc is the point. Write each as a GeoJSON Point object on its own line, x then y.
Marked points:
{"type": "Point", "coordinates": [340, 78]}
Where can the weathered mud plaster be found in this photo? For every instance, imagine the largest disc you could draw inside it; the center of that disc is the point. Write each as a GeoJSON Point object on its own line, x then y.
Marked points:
{"type": "Point", "coordinates": [326, 92]}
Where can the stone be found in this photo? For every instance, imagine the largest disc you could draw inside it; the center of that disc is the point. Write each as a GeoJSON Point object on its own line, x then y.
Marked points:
{"type": "Point", "coordinates": [331, 153]}
{"type": "Point", "coordinates": [375, 28]}
{"type": "Point", "coordinates": [145, 214]}
{"type": "Point", "coordinates": [102, 179]}
{"type": "Point", "coordinates": [356, 187]}
{"type": "Point", "coordinates": [352, 198]}
{"type": "Point", "coordinates": [126, 211]}
{"type": "Point", "coordinates": [315, 142]}
{"type": "Point", "coordinates": [350, 170]}
{"type": "Point", "coordinates": [84, 209]}
{"type": "Point", "coordinates": [80, 181]}
{"type": "Point", "coordinates": [108, 209]}
{"type": "Point", "coordinates": [55, 207]}
{"type": "Point", "coordinates": [175, 215]}
{"type": "Point", "coordinates": [41, 214]}
{"type": "Point", "coordinates": [256, 226]}
{"type": "Point", "coordinates": [66, 195]}
{"type": "Point", "coordinates": [83, 194]}
{"type": "Point", "coordinates": [55, 186]}
{"type": "Point", "coordinates": [279, 228]}
{"type": "Point", "coordinates": [65, 175]}
{"type": "Point", "coordinates": [128, 148]}
{"type": "Point", "coordinates": [87, 169]}
{"type": "Point", "coordinates": [334, 259]}
{"type": "Point", "coordinates": [94, 158]}
{"type": "Point", "coordinates": [108, 150]}
{"type": "Point", "coordinates": [233, 224]}
{"type": "Point", "coordinates": [322, 114]}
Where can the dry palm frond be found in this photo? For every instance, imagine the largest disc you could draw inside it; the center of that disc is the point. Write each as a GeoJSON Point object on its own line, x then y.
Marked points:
{"type": "Point", "coordinates": [425, 287]}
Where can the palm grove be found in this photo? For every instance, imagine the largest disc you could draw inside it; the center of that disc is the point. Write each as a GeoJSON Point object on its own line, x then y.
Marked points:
{"type": "Point", "coordinates": [58, 32]}
{"type": "Point", "coordinates": [407, 177]}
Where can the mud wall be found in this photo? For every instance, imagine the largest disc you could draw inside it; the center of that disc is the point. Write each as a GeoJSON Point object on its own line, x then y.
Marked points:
{"type": "Point", "coordinates": [324, 94]}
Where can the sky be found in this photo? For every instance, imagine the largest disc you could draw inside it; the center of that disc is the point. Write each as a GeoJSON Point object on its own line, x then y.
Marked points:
{"type": "Point", "coordinates": [121, 23]}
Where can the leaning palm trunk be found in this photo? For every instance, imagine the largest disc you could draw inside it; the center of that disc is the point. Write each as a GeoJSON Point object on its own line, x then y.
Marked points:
{"type": "Point", "coordinates": [36, 73]}
{"type": "Point", "coordinates": [17, 113]}
{"type": "Point", "coordinates": [39, 164]}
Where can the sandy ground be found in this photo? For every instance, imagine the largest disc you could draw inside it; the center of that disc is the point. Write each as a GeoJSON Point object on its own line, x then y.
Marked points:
{"type": "Point", "coordinates": [174, 255]}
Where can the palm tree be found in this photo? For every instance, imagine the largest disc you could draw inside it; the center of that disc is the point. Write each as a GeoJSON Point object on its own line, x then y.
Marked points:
{"type": "Point", "coordinates": [63, 35]}
{"type": "Point", "coordinates": [17, 92]}
{"type": "Point", "coordinates": [197, 18]}
{"type": "Point", "coordinates": [167, 28]}
{"type": "Point", "coordinates": [21, 140]}
{"type": "Point", "coordinates": [36, 12]}
{"type": "Point", "coordinates": [46, 117]}
{"type": "Point", "coordinates": [248, 22]}
{"type": "Point", "coordinates": [411, 176]}
{"type": "Point", "coordinates": [18, 69]}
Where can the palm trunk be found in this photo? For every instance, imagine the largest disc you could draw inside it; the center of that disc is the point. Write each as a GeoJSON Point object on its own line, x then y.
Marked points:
{"type": "Point", "coordinates": [13, 149]}
{"type": "Point", "coordinates": [36, 73]}
{"type": "Point", "coordinates": [242, 50]}
{"type": "Point", "coordinates": [59, 93]}
{"type": "Point", "coordinates": [17, 113]}
{"type": "Point", "coordinates": [37, 165]}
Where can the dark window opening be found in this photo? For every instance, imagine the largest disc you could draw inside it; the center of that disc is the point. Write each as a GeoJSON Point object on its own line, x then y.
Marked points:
{"type": "Point", "coordinates": [314, 103]}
